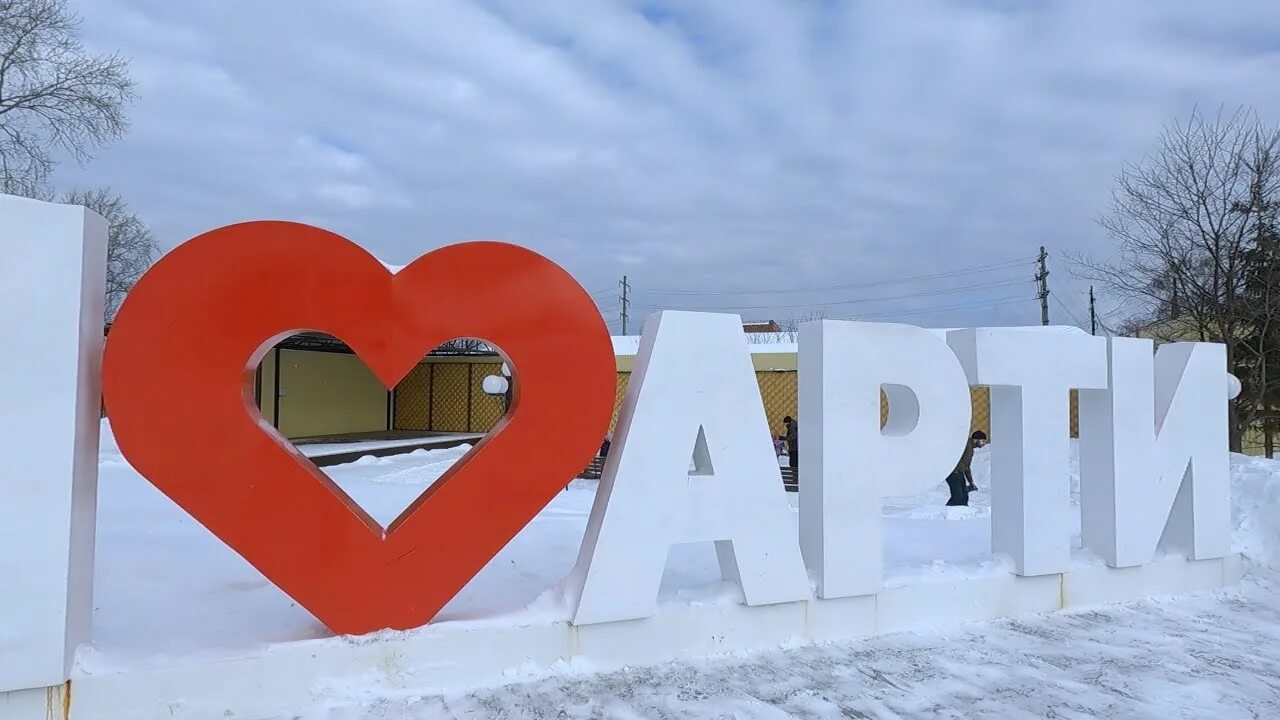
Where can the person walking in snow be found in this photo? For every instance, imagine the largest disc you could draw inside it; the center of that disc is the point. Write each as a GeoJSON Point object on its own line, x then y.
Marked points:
{"type": "Point", "coordinates": [957, 481]}
{"type": "Point", "coordinates": [793, 438]}
{"type": "Point", "coordinates": [977, 440]}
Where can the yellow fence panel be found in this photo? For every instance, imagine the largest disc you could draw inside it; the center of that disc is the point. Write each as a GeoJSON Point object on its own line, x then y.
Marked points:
{"type": "Point", "coordinates": [980, 397]}
{"type": "Point", "coordinates": [778, 391]}
{"type": "Point", "coordinates": [619, 392]}
{"type": "Point", "coordinates": [486, 410]}
{"type": "Point", "coordinates": [413, 400]}
{"type": "Point", "coordinates": [449, 397]}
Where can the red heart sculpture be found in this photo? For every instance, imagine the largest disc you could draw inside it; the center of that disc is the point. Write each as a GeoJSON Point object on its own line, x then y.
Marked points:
{"type": "Point", "coordinates": [177, 382]}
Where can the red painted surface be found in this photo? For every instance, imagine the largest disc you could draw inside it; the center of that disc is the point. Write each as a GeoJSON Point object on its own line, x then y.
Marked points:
{"type": "Point", "coordinates": [178, 372]}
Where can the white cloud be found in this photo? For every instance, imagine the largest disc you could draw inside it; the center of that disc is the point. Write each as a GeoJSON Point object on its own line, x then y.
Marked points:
{"type": "Point", "coordinates": [688, 144]}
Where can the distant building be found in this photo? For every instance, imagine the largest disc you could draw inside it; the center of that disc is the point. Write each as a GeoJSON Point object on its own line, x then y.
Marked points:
{"type": "Point", "coordinates": [766, 326]}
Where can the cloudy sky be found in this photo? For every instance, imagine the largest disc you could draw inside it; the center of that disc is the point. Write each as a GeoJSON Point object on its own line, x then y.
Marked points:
{"type": "Point", "coordinates": [814, 153]}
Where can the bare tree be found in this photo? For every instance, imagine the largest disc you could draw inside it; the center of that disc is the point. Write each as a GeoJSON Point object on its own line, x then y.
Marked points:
{"type": "Point", "coordinates": [1185, 220]}
{"type": "Point", "coordinates": [54, 94]}
{"type": "Point", "coordinates": [464, 346]}
{"type": "Point", "coordinates": [790, 328]}
{"type": "Point", "coordinates": [131, 248]}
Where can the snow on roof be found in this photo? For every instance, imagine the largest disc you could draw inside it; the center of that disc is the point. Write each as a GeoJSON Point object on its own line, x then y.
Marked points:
{"type": "Point", "coordinates": [629, 344]}
{"type": "Point", "coordinates": [625, 345]}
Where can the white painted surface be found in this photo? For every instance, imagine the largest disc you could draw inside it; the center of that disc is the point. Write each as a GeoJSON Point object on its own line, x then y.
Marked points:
{"type": "Point", "coordinates": [1098, 584]}
{"type": "Point", "coordinates": [843, 618]}
{"type": "Point", "coordinates": [284, 679]}
{"type": "Point", "coordinates": [1030, 375]}
{"type": "Point", "coordinates": [34, 703]}
{"type": "Point", "coordinates": [691, 460]}
{"type": "Point", "coordinates": [925, 605]}
{"type": "Point", "coordinates": [690, 631]}
{"type": "Point", "coordinates": [1154, 464]}
{"type": "Point", "coordinates": [52, 293]}
{"type": "Point", "coordinates": [848, 461]}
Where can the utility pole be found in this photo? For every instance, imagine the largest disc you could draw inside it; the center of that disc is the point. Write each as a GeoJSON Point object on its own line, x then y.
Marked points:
{"type": "Point", "coordinates": [1093, 314]}
{"type": "Point", "coordinates": [1042, 279]}
{"type": "Point", "coordinates": [626, 303]}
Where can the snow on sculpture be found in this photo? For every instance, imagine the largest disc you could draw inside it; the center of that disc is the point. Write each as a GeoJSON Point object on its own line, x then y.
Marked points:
{"type": "Point", "coordinates": [849, 461]}
{"type": "Point", "coordinates": [693, 397]}
{"type": "Point", "coordinates": [1154, 466]}
{"type": "Point", "coordinates": [1030, 372]}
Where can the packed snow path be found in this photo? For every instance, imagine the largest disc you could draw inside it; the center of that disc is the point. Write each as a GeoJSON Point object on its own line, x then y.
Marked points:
{"type": "Point", "coordinates": [1210, 656]}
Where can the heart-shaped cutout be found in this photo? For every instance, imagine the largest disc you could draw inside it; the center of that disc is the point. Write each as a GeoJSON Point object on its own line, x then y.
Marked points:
{"type": "Point", "coordinates": [177, 381]}
{"type": "Point", "coordinates": [383, 449]}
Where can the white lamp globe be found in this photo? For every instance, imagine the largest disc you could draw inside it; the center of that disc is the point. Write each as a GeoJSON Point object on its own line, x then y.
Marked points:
{"type": "Point", "coordinates": [494, 384]}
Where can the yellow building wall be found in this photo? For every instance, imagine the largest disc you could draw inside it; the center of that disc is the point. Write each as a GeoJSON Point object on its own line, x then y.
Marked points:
{"type": "Point", "coordinates": [331, 393]}
{"type": "Point", "coordinates": [327, 393]}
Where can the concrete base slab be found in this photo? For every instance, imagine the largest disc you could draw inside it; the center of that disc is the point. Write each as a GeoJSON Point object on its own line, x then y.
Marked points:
{"type": "Point", "coordinates": [454, 656]}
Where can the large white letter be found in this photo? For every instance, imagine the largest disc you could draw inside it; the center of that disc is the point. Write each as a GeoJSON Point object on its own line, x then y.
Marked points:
{"type": "Point", "coordinates": [1154, 465]}
{"type": "Point", "coordinates": [1031, 371]}
{"type": "Point", "coordinates": [693, 401]}
{"type": "Point", "coordinates": [849, 462]}
{"type": "Point", "coordinates": [52, 292]}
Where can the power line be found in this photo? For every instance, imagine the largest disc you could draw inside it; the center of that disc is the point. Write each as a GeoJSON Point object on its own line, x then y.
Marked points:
{"type": "Point", "coordinates": [975, 269]}
{"type": "Point", "coordinates": [942, 308]}
{"type": "Point", "coordinates": [1063, 305]}
{"type": "Point", "coordinates": [1102, 323]}
{"type": "Point", "coordinates": [930, 293]}
{"type": "Point", "coordinates": [1086, 309]}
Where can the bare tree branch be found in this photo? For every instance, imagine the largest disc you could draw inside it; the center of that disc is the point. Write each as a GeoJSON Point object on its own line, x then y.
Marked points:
{"type": "Point", "coordinates": [54, 94]}
{"type": "Point", "coordinates": [1187, 222]}
{"type": "Point", "coordinates": [790, 328]}
{"type": "Point", "coordinates": [131, 248]}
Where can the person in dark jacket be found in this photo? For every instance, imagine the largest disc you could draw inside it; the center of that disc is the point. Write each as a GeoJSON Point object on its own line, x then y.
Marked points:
{"type": "Point", "coordinates": [957, 481]}
{"type": "Point", "coordinates": [793, 438]}
{"type": "Point", "coordinates": [977, 440]}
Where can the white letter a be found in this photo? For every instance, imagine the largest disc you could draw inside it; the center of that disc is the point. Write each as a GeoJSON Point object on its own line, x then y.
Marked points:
{"type": "Point", "coordinates": [693, 395]}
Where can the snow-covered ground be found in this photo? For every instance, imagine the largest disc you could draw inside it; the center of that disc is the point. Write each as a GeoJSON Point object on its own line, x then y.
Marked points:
{"type": "Point", "coordinates": [334, 448]}
{"type": "Point", "coordinates": [162, 572]}
{"type": "Point", "coordinates": [1210, 656]}
{"type": "Point", "coordinates": [166, 587]}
